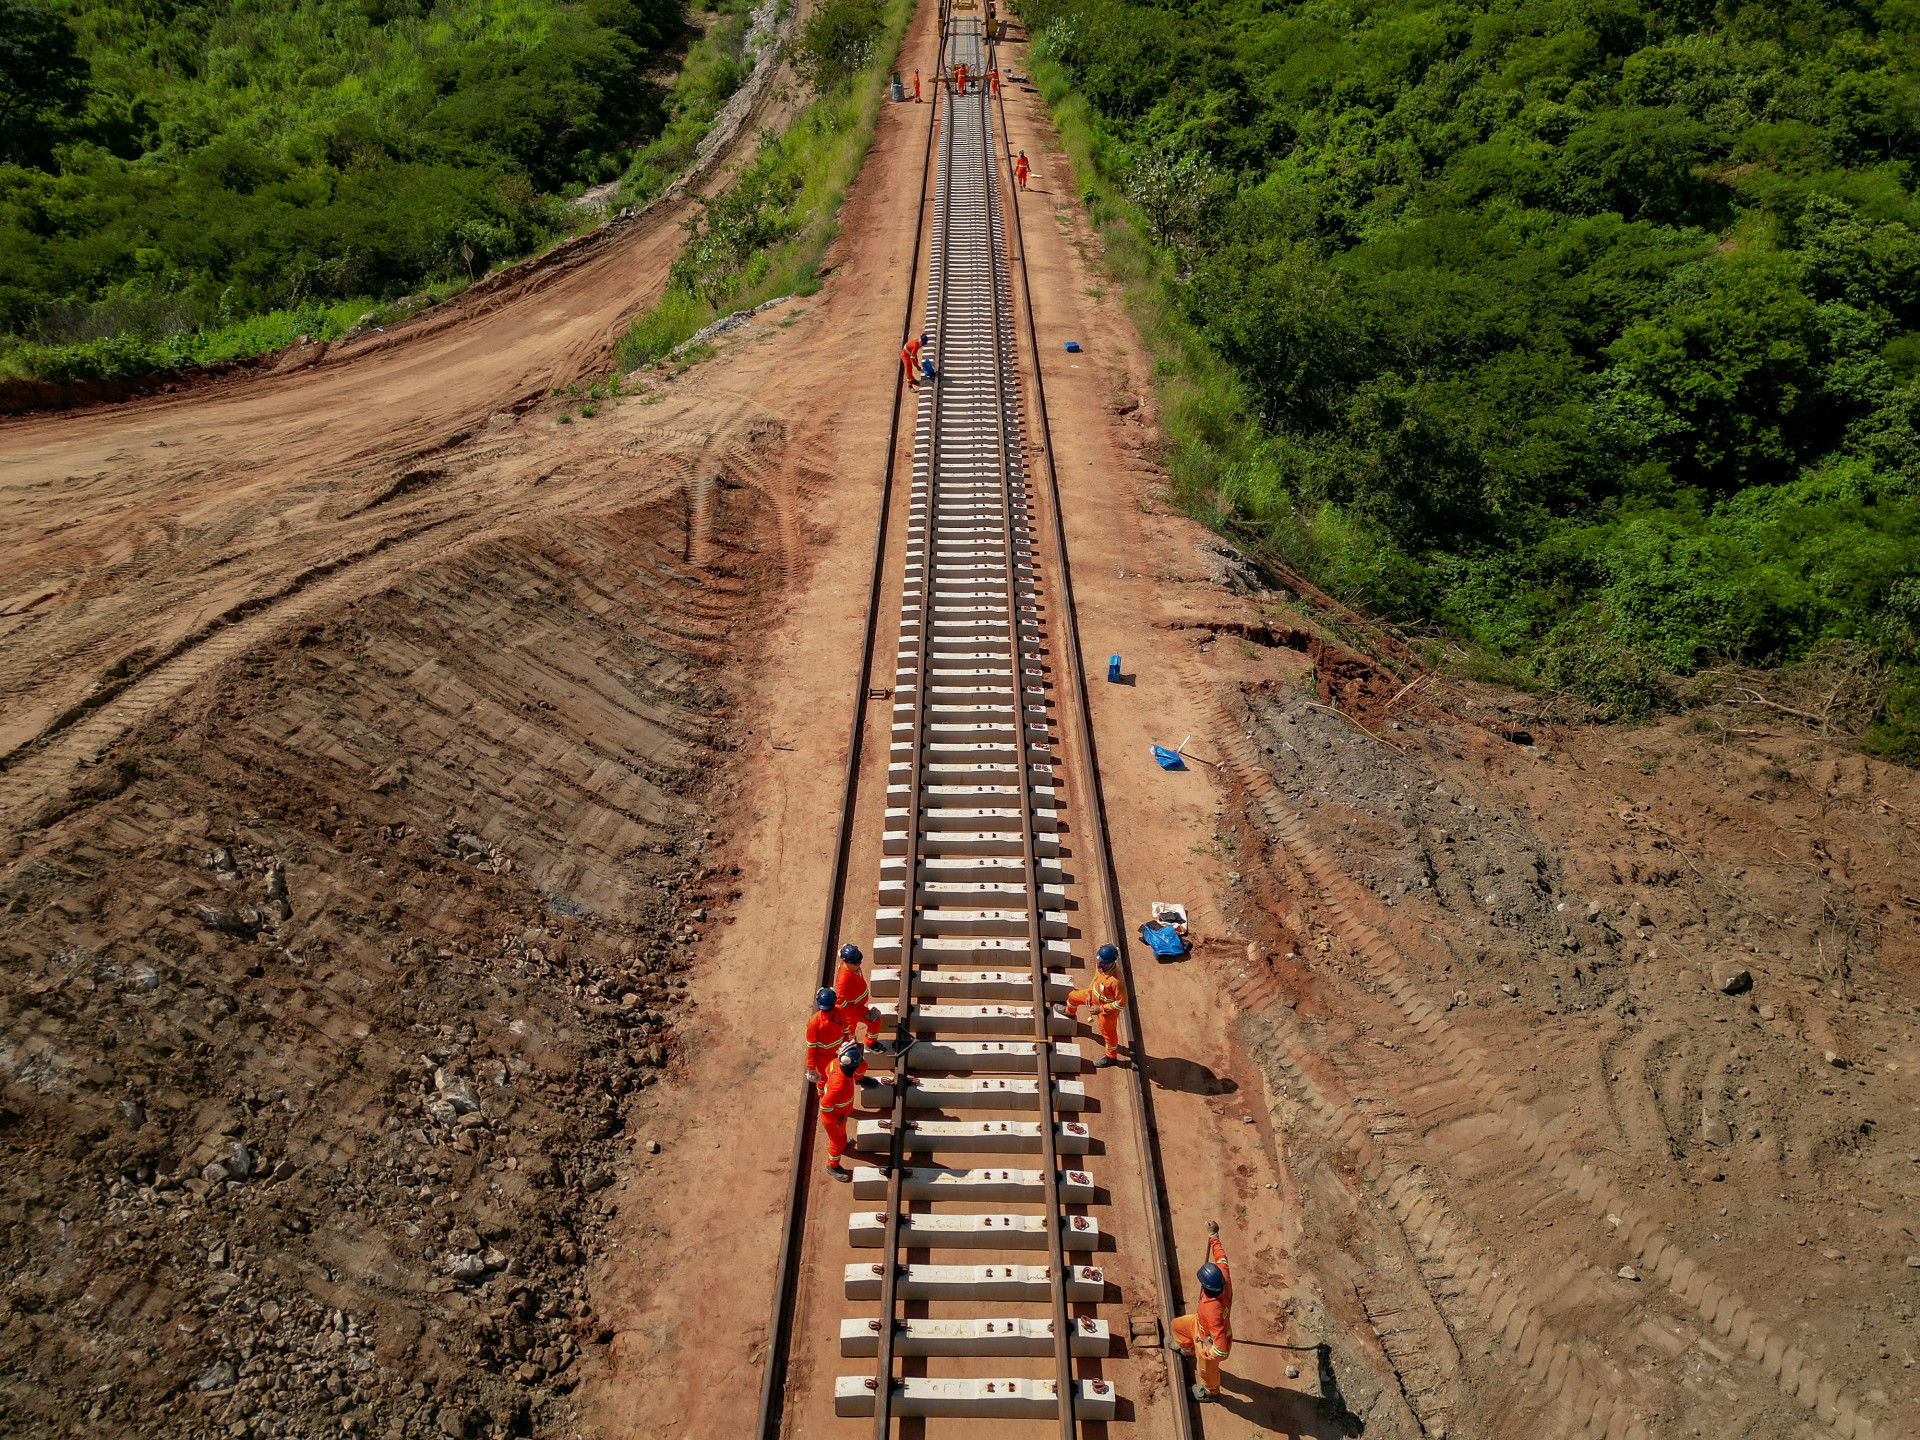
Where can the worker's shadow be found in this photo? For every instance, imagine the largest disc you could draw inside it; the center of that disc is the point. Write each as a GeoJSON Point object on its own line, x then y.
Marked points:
{"type": "Point", "coordinates": [1188, 1076]}
{"type": "Point", "coordinates": [1293, 1413]}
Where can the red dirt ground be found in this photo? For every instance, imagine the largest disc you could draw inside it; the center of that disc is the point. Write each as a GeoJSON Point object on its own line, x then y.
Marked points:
{"type": "Point", "coordinates": [541, 727]}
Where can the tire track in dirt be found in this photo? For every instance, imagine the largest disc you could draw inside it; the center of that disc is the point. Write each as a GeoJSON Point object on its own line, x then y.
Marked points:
{"type": "Point", "coordinates": [1639, 1232]}
{"type": "Point", "coordinates": [1453, 1264]}
{"type": "Point", "coordinates": [490, 501]}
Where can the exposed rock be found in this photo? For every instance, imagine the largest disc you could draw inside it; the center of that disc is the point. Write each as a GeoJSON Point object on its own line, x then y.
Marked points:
{"type": "Point", "coordinates": [219, 1376]}
{"type": "Point", "coordinates": [456, 1091]}
{"type": "Point", "coordinates": [1730, 977]}
{"type": "Point", "coordinates": [215, 918]}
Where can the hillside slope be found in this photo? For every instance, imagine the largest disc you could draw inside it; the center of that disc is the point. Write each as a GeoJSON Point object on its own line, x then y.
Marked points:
{"type": "Point", "coordinates": [182, 167]}
{"type": "Point", "coordinates": [1586, 331]}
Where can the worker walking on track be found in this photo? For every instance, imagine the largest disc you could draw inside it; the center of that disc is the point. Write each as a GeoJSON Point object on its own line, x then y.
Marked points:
{"type": "Point", "coordinates": [825, 1034]}
{"type": "Point", "coordinates": [1207, 1334]}
{"type": "Point", "coordinates": [842, 1088]}
{"type": "Point", "coordinates": [959, 79]}
{"type": "Point", "coordinates": [854, 1004]}
{"type": "Point", "coordinates": [1021, 169]}
{"type": "Point", "coordinates": [994, 75]}
{"type": "Point", "coordinates": [1106, 997]}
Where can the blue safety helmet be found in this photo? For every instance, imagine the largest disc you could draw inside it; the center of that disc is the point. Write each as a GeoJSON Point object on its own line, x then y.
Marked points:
{"type": "Point", "coordinates": [1212, 1281]}
{"type": "Point", "coordinates": [1108, 956]}
{"type": "Point", "coordinates": [850, 953]}
{"type": "Point", "coordinates": [853, 1057]}
{"type": "Point", "coordinates": [824, 999]}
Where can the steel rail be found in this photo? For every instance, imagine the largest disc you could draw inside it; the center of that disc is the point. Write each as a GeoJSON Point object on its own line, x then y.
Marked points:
{"type": "Point", "coordinates": [903, 1030]}
{"type": "Point", "coordinates": [1068, 623]}
{"type": "Point", "coordinates": [772, 1408]}
{"type": "Point", "coordinates": [1030, 859]}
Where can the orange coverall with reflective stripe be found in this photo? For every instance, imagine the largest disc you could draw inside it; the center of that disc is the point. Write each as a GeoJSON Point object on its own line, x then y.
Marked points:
{"type": "Point", "coordinates": [1207, 1334]}
{"type": "Point", "coordinates": [826, 1036]}
{"type": "Point", "coordinates": [836, 1103]}
{"type": "Point", "coordinates": [855, 1010]}
{"type": "Point", "coordinates": [1108, 997]}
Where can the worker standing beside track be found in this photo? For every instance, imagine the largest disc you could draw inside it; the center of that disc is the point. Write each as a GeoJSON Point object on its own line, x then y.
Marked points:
{"type": "Point", "coordinates": [1021, 169]}
{"type": "Point", "coordinates": [1106, 997]}
{"type": "Point", "coordinates": [836, 1104]}
{"type": "Point", "coordinates": [855, 1009]}
{"type": "Point", "coordinates": [1207, 1334]}
{"type": "Point", "coordinates": [825, 1034]}
{"type": "Point", "coordinates": [916, 87]}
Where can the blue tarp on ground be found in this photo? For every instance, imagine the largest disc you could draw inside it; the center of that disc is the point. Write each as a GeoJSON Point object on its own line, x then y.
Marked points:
{"type": "Point", "coordinates": [1163, 939]}
{"type": "Point", "coordinates": [1169, 759]}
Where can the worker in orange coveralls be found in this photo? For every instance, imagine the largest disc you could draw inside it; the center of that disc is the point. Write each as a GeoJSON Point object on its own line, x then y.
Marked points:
{"type": "Point", "coordinates": [959, 79]}
{"type": "Point", "coordinates": [1207, 1334]}
{"type": "Point", "coordinates": [994, 74]}
{"type": "Point", "coordinates": [1106, 997]}
{"type": "Point", "coordinates": [825, 1034]}
{"type": "Point", "coordinates": [910, 358]}
{"type": "Point", "coordinates": [1021, 169]}
{"type": "Point", "coordinates": [855, 1010]}
{"type": "Point", "coordinates": [916, 87]}
{"type": "Point", "coordinates": [836, 1104]}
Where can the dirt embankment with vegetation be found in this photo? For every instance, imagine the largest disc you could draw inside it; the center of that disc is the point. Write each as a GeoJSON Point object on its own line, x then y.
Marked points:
{"type": "Point", "coordinates": [1586, 340]}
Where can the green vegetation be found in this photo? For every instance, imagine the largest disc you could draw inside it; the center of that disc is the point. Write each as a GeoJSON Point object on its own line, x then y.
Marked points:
{"type": "Point", "coordinates": [716, 66]}
{"type": "Point", "coordinates": [183, 177]}
{"type": "Point", "coordinates": [1585, 330]}
{"type": "Point", "coordinates": [763, 236]}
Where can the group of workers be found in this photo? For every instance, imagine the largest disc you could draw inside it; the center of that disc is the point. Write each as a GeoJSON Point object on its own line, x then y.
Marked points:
{"type": "Point", "coordinates": [958, 77]}
{"type": "Point", "coordinates": [1021, 167]}
{"type": "Point", "coordinates": [845, 1025]}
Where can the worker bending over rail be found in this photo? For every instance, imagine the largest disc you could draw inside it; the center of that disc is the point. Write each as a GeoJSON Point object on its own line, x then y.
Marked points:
{"type": "Point", "coordinates": [1106, 997]}
{"type": "Point", "coordinates": [916, 364]}
{"type": "Point", "coordinates": [826, 1035]}
{"type": "Point", "coordinates": [837, 1095]}
{"type": "Point", "coordinates": [1207, 1334]}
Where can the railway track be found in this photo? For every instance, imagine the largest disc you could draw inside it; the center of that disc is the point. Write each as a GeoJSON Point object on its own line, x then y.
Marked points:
{"type": "Point", "coordinates": [973, 1265]}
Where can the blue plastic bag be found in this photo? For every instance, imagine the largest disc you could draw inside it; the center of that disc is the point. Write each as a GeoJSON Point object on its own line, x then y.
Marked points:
{"type": "Point", "coordinates": [1163, 939]}
{"type": "Point", "coordinates": [1169, 759]}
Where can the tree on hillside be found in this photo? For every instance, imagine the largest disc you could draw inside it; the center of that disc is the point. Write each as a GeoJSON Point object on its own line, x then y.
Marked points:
{"type": "Point", "coordinates": [837, 41]}
{"type": "Point", "coordinates": [42, 76]}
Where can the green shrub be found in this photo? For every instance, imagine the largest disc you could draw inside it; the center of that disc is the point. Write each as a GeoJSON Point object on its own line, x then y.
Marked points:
{"type": "Point", "coordinates": [837, 42]}
{"type": "Point", "coordinates": [762, 237]}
